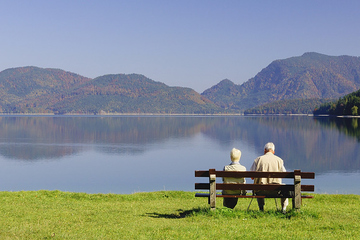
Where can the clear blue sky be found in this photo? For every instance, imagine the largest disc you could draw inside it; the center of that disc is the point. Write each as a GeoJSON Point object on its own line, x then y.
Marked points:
{"type": "Point", "coordinates": [193, 43]}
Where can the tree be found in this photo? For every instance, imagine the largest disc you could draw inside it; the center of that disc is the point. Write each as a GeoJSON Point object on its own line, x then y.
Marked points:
{"type": "Point", "coordinates": [354, 111]}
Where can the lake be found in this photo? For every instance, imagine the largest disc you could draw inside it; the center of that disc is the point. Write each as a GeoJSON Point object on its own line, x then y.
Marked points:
{"type": "Point", "coordinates": [127, 154]}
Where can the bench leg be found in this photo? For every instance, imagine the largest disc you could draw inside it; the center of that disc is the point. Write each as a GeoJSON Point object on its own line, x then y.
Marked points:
{"type": "Point", "coordinates": [212, 190]}
{"type": "Point", "coordinates": [297, 190]}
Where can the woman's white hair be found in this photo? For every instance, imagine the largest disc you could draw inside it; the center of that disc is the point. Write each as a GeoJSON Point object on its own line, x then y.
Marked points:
{"type": "Point", "coordinates": [269, 146]}
{"type": "Point", "coordinates": [235, 154]}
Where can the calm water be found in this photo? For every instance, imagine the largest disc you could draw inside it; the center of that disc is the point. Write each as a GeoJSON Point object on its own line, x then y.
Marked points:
{"type": "Point", "coordinates": [131, 154]}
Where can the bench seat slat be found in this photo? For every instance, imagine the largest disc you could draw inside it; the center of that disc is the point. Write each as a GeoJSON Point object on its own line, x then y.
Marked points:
{"type": "Point", "coordinates": [248, 196]}
{"type": "Point", "coordinates": [256, 187]}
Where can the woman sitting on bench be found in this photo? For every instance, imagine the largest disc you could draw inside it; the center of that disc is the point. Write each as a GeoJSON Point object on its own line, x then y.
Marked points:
{"type": "Point", "coordinates": [235, 165]}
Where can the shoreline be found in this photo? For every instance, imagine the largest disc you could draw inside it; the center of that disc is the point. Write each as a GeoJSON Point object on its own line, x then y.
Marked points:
{"type": "Point", "coordinates": [165, 114]}
{"type": "Point", "coordinates": [148, 114]}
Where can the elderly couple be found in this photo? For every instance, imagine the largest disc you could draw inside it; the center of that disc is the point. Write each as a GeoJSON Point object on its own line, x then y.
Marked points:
{"type": "Point", "coordinates": [268, 162]}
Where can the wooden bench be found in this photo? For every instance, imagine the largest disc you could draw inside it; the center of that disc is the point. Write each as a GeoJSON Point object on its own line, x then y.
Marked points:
{"type": "Point", "coordinates": [292, 190]}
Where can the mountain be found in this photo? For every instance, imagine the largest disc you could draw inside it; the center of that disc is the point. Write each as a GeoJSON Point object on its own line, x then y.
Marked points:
{"type": "Point", "coordinates": [27, 82]}
{"type": "Point", "coordinates": [133, 93]}
{"type": "Point", "coordinates": [34, 90]}
{"type": "Point", "coordinates": [20, 88]}
{"type": "Point", "coordinates": [286, 82]}
{"type": "Point", "coordinates": [310, 76]}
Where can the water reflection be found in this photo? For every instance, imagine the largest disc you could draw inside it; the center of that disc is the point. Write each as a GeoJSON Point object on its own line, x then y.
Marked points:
{"type": "Point", "coordinates": [311, 144]}
{"type": "Point", "coordinates": [349, 126]}
{"type": "Point", "coordinates": [35, 138]}
{"type": "Point", "coordinates": [98, 154]}
{"type": "Point", "coordinates": [304, 143]}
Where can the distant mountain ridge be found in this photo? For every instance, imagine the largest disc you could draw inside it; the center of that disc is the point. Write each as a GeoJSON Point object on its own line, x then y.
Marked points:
{"type": "Point", "coordinates": [24, 85]}
{"type": "Point", "coordinates": [28, 80]}
{"type": "Point", "coordinates": [310, 76]}
{"type": "Point", "coordinates": [35, 90]}
{"type": "Point", "coordinates": [133, 93]}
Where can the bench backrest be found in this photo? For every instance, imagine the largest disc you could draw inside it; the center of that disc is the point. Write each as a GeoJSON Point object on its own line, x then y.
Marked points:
{"type": "Point", "coordinates": [253, 174]}
{"type": "Point", "coordinates": [296, 187]}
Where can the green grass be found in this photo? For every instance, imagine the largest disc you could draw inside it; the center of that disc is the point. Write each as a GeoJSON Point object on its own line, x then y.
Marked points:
{"type": "Point", "coordinates": [170, 215]}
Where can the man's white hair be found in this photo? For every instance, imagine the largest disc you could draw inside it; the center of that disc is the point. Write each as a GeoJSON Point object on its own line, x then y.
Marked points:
{"type": "Point", "coordinates": [269, 146]}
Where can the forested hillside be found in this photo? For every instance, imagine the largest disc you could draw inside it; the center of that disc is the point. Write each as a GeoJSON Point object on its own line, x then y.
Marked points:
{"type": "Point", "coordinates": [347, 105]}
{"type": "Point", "coordinates": [25, 89]}
{"type": "Point", "coordinates": [37, 90]}
{"type": "Point", "coordinates": [293, 106]}
{"type": "Point", "coordinates": [293, 85]}
{"type": "Point", "coordinates": [132, 94]}
{"type": "Point", "coordinates": [310, 76]}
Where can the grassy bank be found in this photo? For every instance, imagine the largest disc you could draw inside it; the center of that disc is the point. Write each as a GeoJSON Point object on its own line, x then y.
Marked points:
{"type": "Point", "coordinates": [170, 215]}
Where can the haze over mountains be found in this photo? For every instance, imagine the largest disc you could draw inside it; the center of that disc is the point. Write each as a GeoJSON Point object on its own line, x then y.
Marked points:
{"type": "Point", "coordinates": [310, 76]}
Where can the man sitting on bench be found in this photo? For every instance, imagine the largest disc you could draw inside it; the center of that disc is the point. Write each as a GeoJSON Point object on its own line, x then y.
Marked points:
{"type": "Point", "coordinates": [235, 165]}
{"type": "Point", "coordinates": [269, 162]}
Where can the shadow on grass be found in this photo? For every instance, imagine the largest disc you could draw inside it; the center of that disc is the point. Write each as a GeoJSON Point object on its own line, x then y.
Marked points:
{"type": "Point", "coordinates": [230, 213]}
{"type": "Point", "coordinates": [180, 213]}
